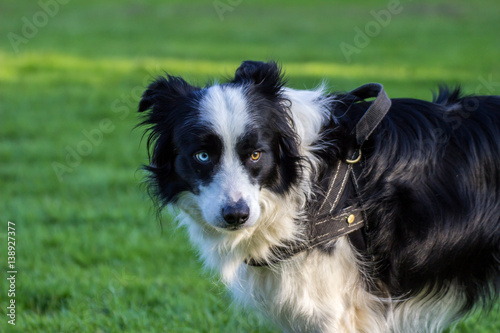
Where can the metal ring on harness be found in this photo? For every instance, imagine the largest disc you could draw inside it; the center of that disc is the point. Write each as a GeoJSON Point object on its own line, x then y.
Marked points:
{"type": "Point", "coordinates": [356, 160]}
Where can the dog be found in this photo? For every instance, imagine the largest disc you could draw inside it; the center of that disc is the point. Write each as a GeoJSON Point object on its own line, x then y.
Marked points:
{"type": "Point", "coordinates": [246, 164]}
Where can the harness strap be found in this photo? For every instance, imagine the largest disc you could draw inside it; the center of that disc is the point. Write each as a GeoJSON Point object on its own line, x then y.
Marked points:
{"type": "Point", "coordinates": [375, 113]}
{"type": "Point", "coordinates": [324, 225]}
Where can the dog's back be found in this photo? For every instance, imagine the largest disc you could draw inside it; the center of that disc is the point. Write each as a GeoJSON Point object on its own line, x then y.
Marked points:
{"type": "Point", "coordinates": [432, 194]}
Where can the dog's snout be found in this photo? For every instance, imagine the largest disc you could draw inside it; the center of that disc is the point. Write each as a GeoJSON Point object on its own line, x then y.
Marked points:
{"type": "Point", "coordinates": [236, 213]}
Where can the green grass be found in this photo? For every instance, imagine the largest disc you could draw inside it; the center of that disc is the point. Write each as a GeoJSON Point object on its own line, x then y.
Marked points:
{"type": "Point", "coordinates": [90, 255]}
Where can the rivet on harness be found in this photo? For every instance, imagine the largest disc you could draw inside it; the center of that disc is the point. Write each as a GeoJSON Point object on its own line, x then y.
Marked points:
{"type": "Point", "coordinates": [325, 226]}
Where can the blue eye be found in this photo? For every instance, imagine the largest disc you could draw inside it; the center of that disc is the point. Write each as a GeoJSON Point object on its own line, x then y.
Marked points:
{"type": "Point", "coordinates": [202, 157]}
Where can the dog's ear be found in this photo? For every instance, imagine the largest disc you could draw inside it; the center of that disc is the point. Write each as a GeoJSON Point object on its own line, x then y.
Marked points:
{"type": "Point", "coordinates": [266, 76]}
{"type": "Point", "coordinates": [164, 99]}
{"type": "Point", "coordinates": [163, 92]}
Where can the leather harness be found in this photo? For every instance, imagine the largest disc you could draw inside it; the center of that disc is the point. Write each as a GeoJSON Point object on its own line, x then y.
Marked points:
{"type": "Point", "coordinates": [326, 223]}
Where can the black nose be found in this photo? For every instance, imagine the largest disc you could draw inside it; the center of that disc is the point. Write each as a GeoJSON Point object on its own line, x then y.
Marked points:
{"type": "Point", "coordinates": [236, 213]}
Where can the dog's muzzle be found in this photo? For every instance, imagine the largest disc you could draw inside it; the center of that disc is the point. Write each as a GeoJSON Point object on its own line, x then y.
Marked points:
{"type": "Point", "coordinates": [235, 214]}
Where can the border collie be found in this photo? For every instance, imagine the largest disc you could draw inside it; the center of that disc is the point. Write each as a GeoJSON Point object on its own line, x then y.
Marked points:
{"type": "Point", "coordinates": [243, 165]}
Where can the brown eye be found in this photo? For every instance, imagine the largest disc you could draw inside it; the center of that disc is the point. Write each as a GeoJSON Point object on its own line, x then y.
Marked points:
{"type": "Point", "coordinates": [255, 156]}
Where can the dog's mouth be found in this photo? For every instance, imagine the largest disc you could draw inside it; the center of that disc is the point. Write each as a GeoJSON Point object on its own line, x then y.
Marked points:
{"type": "Point", "coordinates": [233, 228]}
{"type": "Point", "coordinates": [224, 228]}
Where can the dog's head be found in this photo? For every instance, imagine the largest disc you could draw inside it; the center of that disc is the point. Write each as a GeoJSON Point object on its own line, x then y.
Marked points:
{"type": "Point", "coordinates": [217, 147]}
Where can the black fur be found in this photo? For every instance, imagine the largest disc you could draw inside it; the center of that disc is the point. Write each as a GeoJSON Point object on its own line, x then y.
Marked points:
{"type": "Point", "coordinates": [432, 193]}
{"type": "Point", "coordinates": [265, 82]}
{"type": "Point", "coordinates": [171, 102]}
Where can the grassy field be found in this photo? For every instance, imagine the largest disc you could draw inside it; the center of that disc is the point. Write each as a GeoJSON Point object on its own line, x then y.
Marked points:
{"type": "Point", "coordinates": [90, 254]}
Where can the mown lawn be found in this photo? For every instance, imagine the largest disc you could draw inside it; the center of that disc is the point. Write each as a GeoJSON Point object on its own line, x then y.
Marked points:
{"type": "Point", "coordinates": [90, 254]}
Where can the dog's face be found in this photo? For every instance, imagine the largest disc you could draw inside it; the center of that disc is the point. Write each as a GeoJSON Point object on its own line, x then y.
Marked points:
{"type": "Point", "coordinates": [217, 147]}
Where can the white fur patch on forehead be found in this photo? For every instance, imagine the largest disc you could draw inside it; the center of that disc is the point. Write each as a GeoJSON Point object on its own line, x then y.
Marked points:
{"type": "Point", "coordinates": [225, 108]}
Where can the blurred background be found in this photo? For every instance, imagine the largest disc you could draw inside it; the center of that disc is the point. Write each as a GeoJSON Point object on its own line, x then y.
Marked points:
{"type": "Point", "coordinates": [91, 254]}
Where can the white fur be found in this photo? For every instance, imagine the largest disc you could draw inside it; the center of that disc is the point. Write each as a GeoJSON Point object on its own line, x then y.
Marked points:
{"type": "Point", "coordinates": [429, 312]}
{"type": "Point", "coordinates": [313, 291]}
{"type": "Point", "coordinates": [225, 109]}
